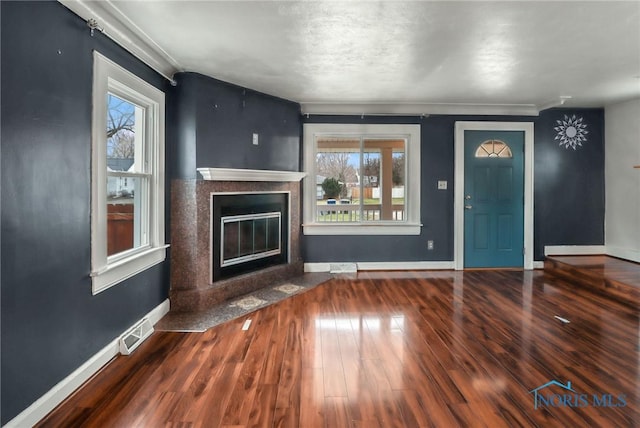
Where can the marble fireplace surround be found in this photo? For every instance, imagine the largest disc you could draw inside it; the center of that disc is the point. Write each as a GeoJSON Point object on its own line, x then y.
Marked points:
{"type": "Point", "coordinates": [191, 286]}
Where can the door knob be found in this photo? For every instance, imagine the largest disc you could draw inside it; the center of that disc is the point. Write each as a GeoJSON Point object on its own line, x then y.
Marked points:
{"type": "Point", "coordinates": [467, 197]}
{"type": "Point", "coordinates": [468, 207]}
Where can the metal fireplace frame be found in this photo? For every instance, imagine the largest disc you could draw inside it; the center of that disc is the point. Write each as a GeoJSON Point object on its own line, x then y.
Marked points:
{"type": "Point", "coordinates": [286, 226]}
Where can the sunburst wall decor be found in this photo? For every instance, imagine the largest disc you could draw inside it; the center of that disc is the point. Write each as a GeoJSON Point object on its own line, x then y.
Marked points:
{"type": "Point", "coordinates": [571, 132]}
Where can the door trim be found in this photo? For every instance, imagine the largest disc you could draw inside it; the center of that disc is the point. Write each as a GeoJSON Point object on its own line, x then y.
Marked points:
{"type": "Point", "coordinates": [458, 205]}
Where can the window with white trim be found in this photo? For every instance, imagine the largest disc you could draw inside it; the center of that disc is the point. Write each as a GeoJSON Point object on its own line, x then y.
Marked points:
{"type": "Point", "coordinates": [361, 179]}
{"type": "Point", "coordinates": [127, 188]}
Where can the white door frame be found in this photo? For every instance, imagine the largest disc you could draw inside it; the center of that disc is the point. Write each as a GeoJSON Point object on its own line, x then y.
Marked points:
{"type": "Point", "coordinates": [458, 205]}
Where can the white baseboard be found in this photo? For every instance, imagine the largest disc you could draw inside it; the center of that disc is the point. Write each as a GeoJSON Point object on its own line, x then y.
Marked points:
{"type": "Point", "coordinates": [405, 266]}
{"type": "Point", "coordinates": [584, 250]}
{"type": "Point", "coordinates": [574, 250]}
{"type": "Point", "coordinates": [624, 253]}
{"type": "Point", "coordinates": [326, 267]}
{"type": "Point", "coordinates": [538, 265]}
{"type": "Point", "coordinates": [56, 395]}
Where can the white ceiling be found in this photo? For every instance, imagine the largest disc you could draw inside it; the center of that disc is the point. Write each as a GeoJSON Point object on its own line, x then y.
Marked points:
{"type": "Point", "coordinates": [392, 56]}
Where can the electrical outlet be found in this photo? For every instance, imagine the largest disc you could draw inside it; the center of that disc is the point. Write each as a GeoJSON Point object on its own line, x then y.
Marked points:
{"type": "Point", "coordinates": [255, 139]}
{"type": "Point", "coordinates": [442, 185]}
{"type": "Point", "coordinates": [429, 245]}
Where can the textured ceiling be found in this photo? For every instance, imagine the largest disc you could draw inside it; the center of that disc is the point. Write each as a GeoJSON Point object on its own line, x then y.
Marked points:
{"type": "Point", "coordinates": [394, 52]}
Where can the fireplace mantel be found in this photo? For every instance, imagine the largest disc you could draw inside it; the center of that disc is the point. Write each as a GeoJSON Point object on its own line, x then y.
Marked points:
{"type": "Point", "coordinates": [233, 174]}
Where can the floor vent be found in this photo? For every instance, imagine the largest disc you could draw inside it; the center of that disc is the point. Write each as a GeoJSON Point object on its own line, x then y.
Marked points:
{"type": "Point", "coordinates": [135, 336]}
{"type": "Point", "coordinates": [343, 268]}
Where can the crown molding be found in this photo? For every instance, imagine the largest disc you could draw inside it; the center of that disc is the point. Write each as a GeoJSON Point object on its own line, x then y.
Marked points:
{"type": "Point", "coordinates": [555, 103]}
{"type": "Point", "coordinates": [417, 109]}
{"type": "Point", "coordinates": [113, 23]}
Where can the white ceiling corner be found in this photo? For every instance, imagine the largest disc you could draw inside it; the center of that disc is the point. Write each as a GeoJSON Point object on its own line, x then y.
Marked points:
{"type": "Point", "coordinates": [122, 30]}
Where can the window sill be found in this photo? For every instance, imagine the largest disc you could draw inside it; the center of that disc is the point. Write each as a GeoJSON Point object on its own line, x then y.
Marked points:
{"type": "Point", "coordinates": [362, 229]}
{"type": "Point", "coordinates": [126, 268]}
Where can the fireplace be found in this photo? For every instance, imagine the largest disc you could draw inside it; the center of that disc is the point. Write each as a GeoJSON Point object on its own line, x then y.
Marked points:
{"type": "Point", "coordinates": [232, 232]}
{"type": "Point", "coordinates": [248, 232]}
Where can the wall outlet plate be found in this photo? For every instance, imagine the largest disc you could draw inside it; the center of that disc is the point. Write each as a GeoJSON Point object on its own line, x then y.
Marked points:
{"type": "Point", "coordinates": [442, 185]}
{"type": "Point", "coordinates": [255, 139]}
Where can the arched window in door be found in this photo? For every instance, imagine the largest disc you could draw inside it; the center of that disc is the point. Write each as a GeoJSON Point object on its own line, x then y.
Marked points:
{"type": "Point", "coordinates": [493, 149]}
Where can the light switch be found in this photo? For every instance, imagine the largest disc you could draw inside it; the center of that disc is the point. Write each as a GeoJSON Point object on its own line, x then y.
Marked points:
{"type": "Point", "coordinates": [442, 185]}
{"type": "Point", "coordinates": [255, 139]}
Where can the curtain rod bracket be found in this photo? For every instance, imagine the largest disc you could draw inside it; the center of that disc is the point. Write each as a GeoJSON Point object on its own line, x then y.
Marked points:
{"type": "Point", "coordinates": [93, 25]}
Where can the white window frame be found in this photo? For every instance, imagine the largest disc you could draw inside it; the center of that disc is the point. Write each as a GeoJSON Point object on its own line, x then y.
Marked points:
{"type": "Point", "coordinates": [410, 226]}
{"type": "Point", "coordinates": [107, 271]}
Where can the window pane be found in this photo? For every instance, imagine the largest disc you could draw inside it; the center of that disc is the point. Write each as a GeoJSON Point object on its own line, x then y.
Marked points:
{"type": "Point", "coordinates": [384, 178]}
{"type": "Point", "coordinates": [399, 179]}
{"type": "Point", "coordinates": [360, 180]}
{"type": "Point", "coordinates": [126, 217]}
{"type": "Point", "coordinates": [371, 184]}
{"type": "Point", "coordinates": [337, 179]}
{"type": "Point", "coordinates": [121, 134]}
{"type": "Point", "coordinates": [127, 198]}
{"type": "Point", "coordinates": [493, 149]}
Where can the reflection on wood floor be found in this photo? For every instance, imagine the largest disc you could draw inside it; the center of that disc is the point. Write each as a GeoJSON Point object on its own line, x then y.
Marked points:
{"type": "Point", "coordinates": [615, 278]}
{"type": "Point", "coordinates": [386, 349]}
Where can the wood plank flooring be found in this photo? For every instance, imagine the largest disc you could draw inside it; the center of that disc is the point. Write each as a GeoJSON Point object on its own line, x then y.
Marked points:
{"type": "Point", "coordinates": [385, 349]}
{"type": "Point", "coordinates": [611, 277]}
{"type": "Point", "coordinates": [611, 268]}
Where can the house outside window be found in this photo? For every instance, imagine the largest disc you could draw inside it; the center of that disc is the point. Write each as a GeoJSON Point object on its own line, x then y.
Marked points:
{"type": "Point", "coordinates": [367, 179]}
{"type": "Point", "coordinates": [127, 234]}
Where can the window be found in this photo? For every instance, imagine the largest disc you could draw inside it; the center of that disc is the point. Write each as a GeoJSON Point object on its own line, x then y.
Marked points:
{"type": "Point", "coordinates": [493, 149]}
{"type": "Point", "coordinates": [127, 201]}
{"type": "Point", "coordinates": [362, 179]}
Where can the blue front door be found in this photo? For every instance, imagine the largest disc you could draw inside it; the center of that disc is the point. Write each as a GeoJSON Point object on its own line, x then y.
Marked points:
{"type": "Point", "coordinates": [494, 199]}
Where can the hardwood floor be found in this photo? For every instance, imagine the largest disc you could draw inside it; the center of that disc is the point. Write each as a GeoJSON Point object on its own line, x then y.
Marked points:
{"type": "Point", "coordinates": [390, 349]}
{"type": "Point", "coordinates": [615, 278]}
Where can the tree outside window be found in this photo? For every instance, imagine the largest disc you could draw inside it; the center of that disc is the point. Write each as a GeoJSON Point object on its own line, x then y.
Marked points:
{"type": "Point", "coordinates": [366, 174]}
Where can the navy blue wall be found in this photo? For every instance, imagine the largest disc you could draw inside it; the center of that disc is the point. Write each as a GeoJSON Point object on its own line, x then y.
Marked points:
{"type": "Point", "coordinates": [181, 127]}
{"type": "Point", "coordinates": [569, 184]}
{"type": "Point", "coordinates": [569, 191]}
{"type": "Point", "coordinates": [51, 323]}
{"type": "Point", "coordinates": [215, 121]}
